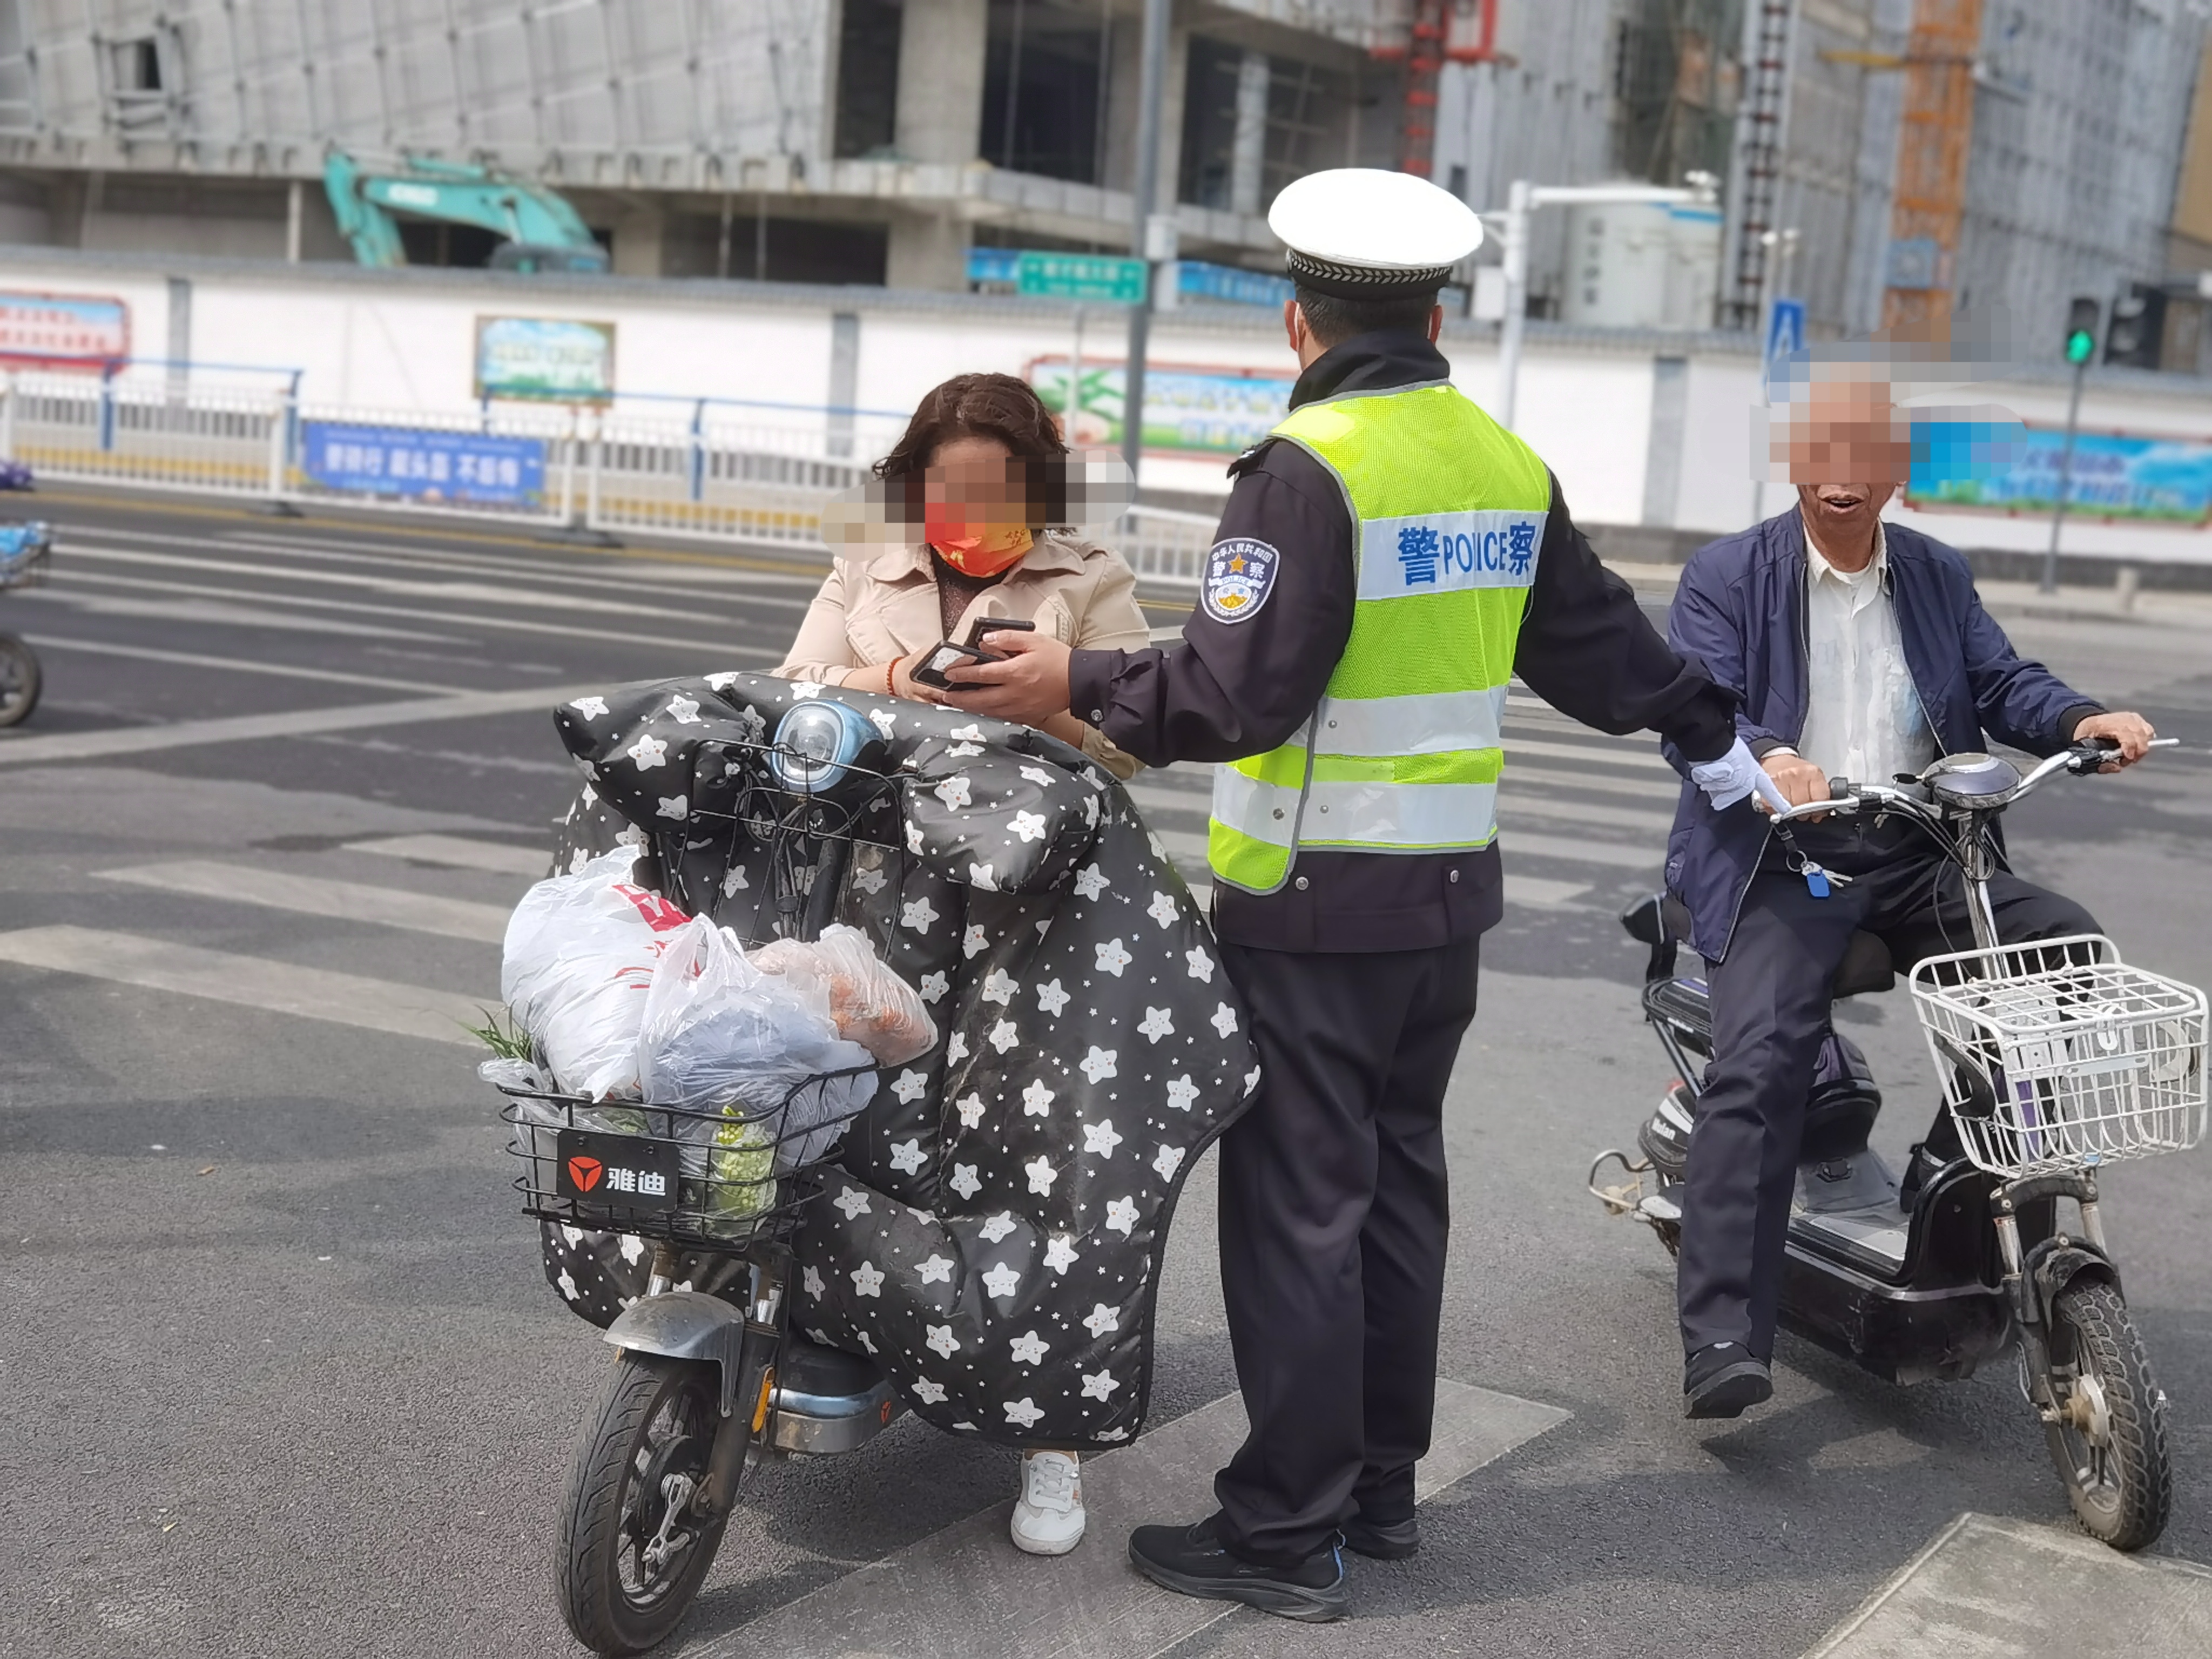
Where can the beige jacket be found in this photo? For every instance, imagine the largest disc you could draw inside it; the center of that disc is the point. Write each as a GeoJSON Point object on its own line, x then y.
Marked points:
{"type": "Point", "coordinates": [871, 610]}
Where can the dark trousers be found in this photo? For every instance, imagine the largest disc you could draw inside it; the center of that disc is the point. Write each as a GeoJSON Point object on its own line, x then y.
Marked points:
{"type": "Point", "coordinates": [1770, 1013]}
{"type": "Point", "coordinates": [1334, 1226]}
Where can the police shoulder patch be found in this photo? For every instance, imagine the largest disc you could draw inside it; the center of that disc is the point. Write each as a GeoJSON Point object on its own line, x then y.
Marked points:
{"type": "Point", "coordinates": [1240, 573]}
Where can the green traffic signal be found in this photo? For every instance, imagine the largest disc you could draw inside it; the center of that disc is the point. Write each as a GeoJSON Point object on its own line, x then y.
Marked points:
{"type": "Point", "coordinates": [2080, 346]}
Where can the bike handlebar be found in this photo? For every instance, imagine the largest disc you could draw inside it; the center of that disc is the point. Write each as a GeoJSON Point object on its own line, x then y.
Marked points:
{"type": "Point", "coordinates": [1847, 798]}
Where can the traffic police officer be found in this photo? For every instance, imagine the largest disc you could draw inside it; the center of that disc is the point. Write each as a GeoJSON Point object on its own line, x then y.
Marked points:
{"type": "Point", "coordinates": [1389, 558]}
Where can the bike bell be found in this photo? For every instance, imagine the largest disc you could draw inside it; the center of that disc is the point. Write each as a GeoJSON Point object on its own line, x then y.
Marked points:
{"type": "Point", "coordinates": [818, 745]}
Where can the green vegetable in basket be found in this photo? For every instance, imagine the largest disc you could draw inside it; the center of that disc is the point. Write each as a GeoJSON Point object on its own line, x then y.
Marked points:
{"type": "Point", "coordinates": [741, 1170]}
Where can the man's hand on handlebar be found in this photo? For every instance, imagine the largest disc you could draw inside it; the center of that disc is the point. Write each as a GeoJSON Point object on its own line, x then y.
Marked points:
{"type": "Point", "coordinates": [2132, 732]}
{"type": "Point", "coordinates": [1798, 778]}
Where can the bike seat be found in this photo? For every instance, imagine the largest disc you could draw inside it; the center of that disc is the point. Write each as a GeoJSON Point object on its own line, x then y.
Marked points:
{"type": "Point", "coordinates": [1661, 920]}
{"type": "Point", "coordinates": [1865, 969]}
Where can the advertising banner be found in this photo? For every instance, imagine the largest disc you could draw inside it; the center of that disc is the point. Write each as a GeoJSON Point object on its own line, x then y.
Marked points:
{"type": "Point", "coordinates": [64, 331]}
{"type": "Point", "coordinates": [545, 359]}
{"type": "Point", "coordinates": [1188, 409]}
{"type": "Point", "coordinates": [410, 463]}
{"type": "Point", "coordinates": [2115, 476]}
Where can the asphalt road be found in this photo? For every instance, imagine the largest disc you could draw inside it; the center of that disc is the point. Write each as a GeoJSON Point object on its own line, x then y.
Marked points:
{"type": "Point", "coordinates": [279, 1373]}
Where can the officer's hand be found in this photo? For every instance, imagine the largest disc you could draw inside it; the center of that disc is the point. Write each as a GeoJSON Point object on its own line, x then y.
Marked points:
{"type": "Point", "coordinates": [1029, 686]}
{"type": "Point", "coordinates": [1797, 778]}
{"type": "Point", "coordinates": [2131, 732]}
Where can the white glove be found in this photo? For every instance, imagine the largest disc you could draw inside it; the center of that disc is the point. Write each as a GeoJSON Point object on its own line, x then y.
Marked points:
{"type": "Point", "coordinates": [1737, 776]}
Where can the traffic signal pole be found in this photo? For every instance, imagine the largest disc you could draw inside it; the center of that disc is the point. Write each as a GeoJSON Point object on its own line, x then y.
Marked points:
{"type": "Point", "coordinates": [2080, 346]}
{"type": "Point", "coordinates": [2065, 479]}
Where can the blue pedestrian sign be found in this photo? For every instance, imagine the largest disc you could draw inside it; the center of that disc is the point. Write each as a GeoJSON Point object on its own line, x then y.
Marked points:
{"type": "Point", "coordinates": [1785, 332]}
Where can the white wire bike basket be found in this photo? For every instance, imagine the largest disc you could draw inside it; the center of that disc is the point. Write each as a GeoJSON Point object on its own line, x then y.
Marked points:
{"type": "Point", "coordinates": [2058, 1056]}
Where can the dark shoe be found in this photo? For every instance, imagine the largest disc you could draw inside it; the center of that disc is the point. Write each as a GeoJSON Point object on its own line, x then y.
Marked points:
{"type": "Point", "coordinates": [1395, 1540]}
{"type": "Point", "coordinates": [1720, 1381]}
{"type": "Point", "coordinates": [1193, 1561]}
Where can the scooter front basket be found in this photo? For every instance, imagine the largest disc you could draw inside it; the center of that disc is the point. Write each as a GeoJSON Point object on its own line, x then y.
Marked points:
{"type": "Point", "coordinates": [709, 1180]}
{"type": "Point", "coordinates": [2058, 1056]}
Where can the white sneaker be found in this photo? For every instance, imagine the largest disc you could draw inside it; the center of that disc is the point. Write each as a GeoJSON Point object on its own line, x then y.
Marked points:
{"type": "Point", "coordinates": [1049, 1515]}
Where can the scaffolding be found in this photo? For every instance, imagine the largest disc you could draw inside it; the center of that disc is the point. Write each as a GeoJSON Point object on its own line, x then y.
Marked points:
{"type": "Point", "coordinates": [1934, 148]}
{"type": "Point", "coordinates": [643, 93]}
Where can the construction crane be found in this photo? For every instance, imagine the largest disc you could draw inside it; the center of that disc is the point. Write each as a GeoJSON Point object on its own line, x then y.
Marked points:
{"type": "Point", "coordinates": [1441, 32]}
{"type": "Point", "coordinates": [1934, 141]}
{"type": "Point", "coordinates": [543, 232]}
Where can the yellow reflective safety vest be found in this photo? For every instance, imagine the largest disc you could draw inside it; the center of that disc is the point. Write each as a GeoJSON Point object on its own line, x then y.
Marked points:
{"type": "Point", "coordinates": [1402, 754]}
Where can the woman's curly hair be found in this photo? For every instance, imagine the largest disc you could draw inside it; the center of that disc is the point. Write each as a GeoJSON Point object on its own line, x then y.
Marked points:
{"type": "Point", "coordinates": [984, 406]}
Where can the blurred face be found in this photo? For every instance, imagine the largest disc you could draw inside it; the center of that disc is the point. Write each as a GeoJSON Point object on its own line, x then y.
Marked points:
{"type": "Point", "coordinates": [1847, 449]}
{"type": "Point", "coordinates": [976, 507]}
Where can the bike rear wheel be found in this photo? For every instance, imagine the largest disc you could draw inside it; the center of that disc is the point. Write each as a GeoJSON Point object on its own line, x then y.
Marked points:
{"type": "Point", "coordinates": [2109, 1440]}
{"type": "Point", "coordinates": [633, 1551]}
{"type": "Point", "coordinates": [20, 679]}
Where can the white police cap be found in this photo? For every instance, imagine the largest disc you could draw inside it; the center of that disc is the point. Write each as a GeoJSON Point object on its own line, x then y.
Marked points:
{"type": "Point", "coordinates": [1361, 233]}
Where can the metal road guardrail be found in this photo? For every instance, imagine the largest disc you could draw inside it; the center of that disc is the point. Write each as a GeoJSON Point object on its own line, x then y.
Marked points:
{"type": "Point", "coordinates": [714, 476]}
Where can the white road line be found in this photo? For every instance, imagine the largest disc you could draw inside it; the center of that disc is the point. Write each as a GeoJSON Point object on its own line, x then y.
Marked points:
{"type": "Point", "coordinates": [451, 619]}
{"type": "Point", "coordinates": [1566, 849]}
{"type": "Point", "coordinates": [506, 593]}
{"type": "Point", "coordinates": [460, 853]}
{"type": "Point", "coordinates": [1542, 894]}
{"type": "Point", "coordinates": [281, 988]}
{"type": "Point", "coordinates": [1987, 1586]}
{"type": "Point", "coordinates": [635, 564]}
{"type": "Point", "coordinates": [317, 895]}
{"type": "Point", "coordinates": [966, 1593]}
{"type": "Point", "coordinates": [1539, 803]}
{"type": "Point", "coordinates": [239, 665]}
{"type": "Point", "coordinates": [251, 728]}
{"type": "Point", "coordinates": [221, 613]}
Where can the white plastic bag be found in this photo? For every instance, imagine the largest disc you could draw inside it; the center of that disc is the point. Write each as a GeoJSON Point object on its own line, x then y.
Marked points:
{"type": "Point", "coordinates": [580, 956]}
{"type": "Point", "coordinates": [720, 1036]}
{"type": "Point", "coordinates": [872, 1004]}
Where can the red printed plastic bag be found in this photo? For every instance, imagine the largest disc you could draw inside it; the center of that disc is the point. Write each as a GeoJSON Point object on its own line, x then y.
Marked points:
{"type": "Point", "coordinates": [579, 955]}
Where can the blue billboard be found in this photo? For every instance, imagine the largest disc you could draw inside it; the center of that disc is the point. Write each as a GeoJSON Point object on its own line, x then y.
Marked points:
{"type": "Point", "coordinates": [2113, 475]}
{"type": "Point", "coordinates": [414, 463]}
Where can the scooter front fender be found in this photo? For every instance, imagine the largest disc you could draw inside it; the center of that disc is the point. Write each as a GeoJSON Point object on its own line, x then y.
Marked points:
{"type": "Point", "coordinates": [686, 1325]}
{"type": "Point", "coordinates": [2053, 1265]}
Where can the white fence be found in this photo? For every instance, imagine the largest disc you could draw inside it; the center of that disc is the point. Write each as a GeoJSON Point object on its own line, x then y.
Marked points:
{"type": "Point", "coordinates": [709, 478]}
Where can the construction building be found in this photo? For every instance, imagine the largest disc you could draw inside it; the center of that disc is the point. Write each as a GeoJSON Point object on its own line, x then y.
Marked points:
{"type": "Point", "coordinates": [878, 141]}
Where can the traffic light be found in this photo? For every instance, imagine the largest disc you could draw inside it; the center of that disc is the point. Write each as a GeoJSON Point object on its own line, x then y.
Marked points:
{"type": "Point", "coordinates": [2138, 329]}
{"type": "Point", "coordinates": [2081, 321]}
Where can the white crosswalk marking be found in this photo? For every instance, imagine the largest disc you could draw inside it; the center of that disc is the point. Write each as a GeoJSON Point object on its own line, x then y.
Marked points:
{"type": "Point", "coordinates": [962, 1594]}
{"type": "Point", "coordinates": [314, 896]}
{"type": "Point", "coordinates": [281, 988]}
{"type": "Point", "coordinates": [460, 853]}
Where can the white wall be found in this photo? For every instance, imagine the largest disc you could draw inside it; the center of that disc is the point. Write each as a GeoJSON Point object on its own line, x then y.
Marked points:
{"type": "Point", "coordinates": [1585, 401]}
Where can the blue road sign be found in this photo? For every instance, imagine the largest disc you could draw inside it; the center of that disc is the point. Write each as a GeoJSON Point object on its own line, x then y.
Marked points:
{"type": "Point", "coordinates": [1785, 329]}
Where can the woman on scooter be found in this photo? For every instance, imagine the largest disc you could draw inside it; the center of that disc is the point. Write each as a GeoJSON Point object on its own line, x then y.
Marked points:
{"type": "Point", "coordinates": [980, 476]}
{"type": "Point", "coordinates": [979, 467]}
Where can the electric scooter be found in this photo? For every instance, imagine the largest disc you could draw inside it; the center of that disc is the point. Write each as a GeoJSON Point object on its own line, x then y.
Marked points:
{"type": "Point", "coordinates": [25, 551]}
{"type": "Point", "coordinates": [2056, 1059]}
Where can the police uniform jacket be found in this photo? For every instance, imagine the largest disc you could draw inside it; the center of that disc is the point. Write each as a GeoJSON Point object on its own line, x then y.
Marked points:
{"type": "Point", "coordinates": [1241, 687]}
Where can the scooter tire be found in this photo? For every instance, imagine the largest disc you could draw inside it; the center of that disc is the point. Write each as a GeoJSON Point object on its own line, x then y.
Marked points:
{"type": "Point", "coordinates": [21, 680]}
{"type": "Point", "coordinates": [2120, 1478]}
{"type": "Point", "coordinates": [601, 1523]}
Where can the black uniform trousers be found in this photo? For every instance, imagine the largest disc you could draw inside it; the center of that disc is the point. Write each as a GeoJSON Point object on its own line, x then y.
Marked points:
{"type": "Point", "coordinates": [1770, 1000]}
{"type": "Point", "coordinates": [1334, 1226]}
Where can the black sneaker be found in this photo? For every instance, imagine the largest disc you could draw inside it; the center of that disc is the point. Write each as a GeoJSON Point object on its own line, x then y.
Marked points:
{"type": "Point", "coordinates": [1379, 1540]}
{"type": "Point", "coordinates": [1722, 1380]}
{"type": "Point", "coordinates": [1193, 1561]}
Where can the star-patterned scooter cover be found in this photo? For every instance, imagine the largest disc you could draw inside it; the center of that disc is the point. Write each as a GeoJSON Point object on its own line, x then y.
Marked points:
{"type": "Point", "coordinates": [991, 1228]}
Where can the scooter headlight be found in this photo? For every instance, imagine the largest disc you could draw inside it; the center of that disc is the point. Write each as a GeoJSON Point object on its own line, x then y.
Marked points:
{"type": "Point", "coordinates": [817, 742]}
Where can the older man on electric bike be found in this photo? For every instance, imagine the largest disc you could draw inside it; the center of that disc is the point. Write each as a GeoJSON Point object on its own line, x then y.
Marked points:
{"type": "Point", "coordinates": [1860, 650]}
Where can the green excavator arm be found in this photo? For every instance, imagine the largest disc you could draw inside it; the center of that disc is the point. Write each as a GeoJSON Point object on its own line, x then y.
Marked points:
{"type": "Point", "coordinates": [542, 231]}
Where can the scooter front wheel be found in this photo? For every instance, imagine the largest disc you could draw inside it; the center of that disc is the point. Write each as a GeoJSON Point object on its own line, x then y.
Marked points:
{"type": "Point", "coordinates": [634, 1549]}
{"type": "Point", "coordinates": [19, 680]}
{"type": "Point", "coordinates": [2109, 1438]}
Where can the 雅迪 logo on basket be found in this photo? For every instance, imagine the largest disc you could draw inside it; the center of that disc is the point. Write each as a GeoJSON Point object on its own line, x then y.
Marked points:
{"type": "Point", "coordinates": [614, 1171]}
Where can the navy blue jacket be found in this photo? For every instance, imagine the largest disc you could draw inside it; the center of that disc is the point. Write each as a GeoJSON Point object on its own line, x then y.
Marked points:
{"type": "Point", "coordinates": [1740, 611]}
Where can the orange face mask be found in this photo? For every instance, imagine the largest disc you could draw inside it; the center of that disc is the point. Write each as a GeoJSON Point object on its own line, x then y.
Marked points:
{"type": "Point", "coordinates": [975, 550]}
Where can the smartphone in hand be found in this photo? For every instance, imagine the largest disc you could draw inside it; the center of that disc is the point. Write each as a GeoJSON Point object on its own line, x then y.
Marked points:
{"type": "Point", "coordinates": [947, 654]}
